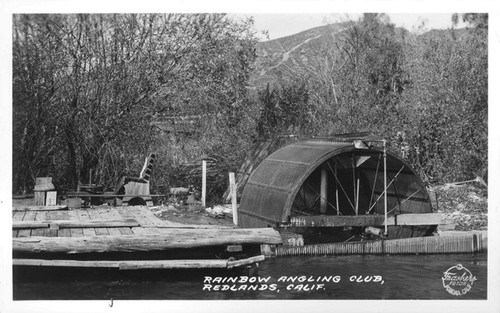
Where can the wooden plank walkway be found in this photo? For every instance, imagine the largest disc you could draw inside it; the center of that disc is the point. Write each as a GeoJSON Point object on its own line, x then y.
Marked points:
{"type": "Point", "coordinates": [98, 221]}
{"type": "Point", "coordinates": [106, 228]}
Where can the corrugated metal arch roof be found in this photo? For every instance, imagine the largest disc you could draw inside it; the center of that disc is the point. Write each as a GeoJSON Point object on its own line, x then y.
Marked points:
{"type": "Point", "coordinates": [271, 189]}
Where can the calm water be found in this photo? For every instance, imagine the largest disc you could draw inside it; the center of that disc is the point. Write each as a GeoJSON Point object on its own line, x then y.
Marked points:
{"type": "Point", "coordinates": [403, 277]}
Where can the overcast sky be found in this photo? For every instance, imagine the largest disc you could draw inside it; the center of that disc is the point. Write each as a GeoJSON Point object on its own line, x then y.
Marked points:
{"type": "Point", "coordinates": [281, 25]}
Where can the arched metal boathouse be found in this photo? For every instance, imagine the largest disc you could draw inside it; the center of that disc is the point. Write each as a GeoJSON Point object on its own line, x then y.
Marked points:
{"type": "Point", "coordinates": [336, 185]}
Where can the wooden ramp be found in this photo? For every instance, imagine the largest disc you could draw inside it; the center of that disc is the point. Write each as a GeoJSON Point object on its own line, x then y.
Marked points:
{"type": "Point", "coordinates": [105, 229]}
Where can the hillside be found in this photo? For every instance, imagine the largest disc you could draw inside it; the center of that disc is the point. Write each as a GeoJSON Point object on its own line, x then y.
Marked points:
{"type": "Point", "coordinates": [275, 56]}
{"type": "Point", "coordinates": [281, 56]}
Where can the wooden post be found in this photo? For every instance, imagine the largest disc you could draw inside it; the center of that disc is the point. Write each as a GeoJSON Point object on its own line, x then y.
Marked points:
{"type": "Point", "coordinates": [268, 250]}
{"type": "Point", "coordinates": [354, 181]}
{"type": "Point", "coordinates": [204, 184]}
{"type": "Point", "coordinates": [385, 187]}
{"type": "Point", "coordinates": [324, 189]}
{"type": "Point", "coordinates": [337, 191]}
{"type": "Point", "coordinates": [234, 203]}
{"type": "Point", "coordinates": [357, 197]}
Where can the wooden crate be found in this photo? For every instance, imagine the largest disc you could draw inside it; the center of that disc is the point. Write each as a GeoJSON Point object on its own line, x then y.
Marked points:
{"type": "Point", "coordinates": [51, 198]}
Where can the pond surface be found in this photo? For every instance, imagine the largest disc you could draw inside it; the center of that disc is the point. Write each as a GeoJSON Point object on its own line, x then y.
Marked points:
{"type": "Point", "coordinates": [319, 277]}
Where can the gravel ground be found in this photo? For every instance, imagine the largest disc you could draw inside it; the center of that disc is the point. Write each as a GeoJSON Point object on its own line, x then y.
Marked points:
{"type": "Point", "coordinates": [465, 206]}
{"type": "Point", "coordinates": [193, 214]}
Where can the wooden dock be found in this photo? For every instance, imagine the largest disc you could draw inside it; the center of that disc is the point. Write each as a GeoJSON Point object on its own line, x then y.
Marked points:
{"type": "Point", "coordinates": [38, 231]}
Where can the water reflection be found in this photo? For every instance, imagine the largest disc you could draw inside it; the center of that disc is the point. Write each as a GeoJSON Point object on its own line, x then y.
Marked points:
{"type": "Point", "coordinates": [361, 277]}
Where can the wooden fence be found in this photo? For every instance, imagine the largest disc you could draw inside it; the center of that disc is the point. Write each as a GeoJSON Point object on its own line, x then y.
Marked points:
{"type": "Point", "coordinates": [421, 245]}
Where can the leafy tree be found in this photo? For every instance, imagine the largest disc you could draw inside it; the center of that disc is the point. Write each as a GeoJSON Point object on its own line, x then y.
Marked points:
{"type": "Point", "coordinates": [447, 105]}
{"type": "Point", "coordinates": [284, 109]}
{"type": "Point", "coordinates": [87, 87]}
{"type": "Point", "coordinates": [375, 73]}
{"type": "Point", "coordinates": [475, 20]}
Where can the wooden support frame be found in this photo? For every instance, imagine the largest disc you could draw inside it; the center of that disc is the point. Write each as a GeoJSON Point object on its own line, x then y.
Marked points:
{"type": "Point", "coordinates": [384, 193]}
{"type": "Point", "coordinates": [319, 197]}
{"type": "Point", "coordinates": [341, 187]}
{"type": "Point", "coordinates": [375, 180]}
{"type": "Point", "coordinates": [367, 220]}
{"type": "Point", "coordinates": [401, 203]}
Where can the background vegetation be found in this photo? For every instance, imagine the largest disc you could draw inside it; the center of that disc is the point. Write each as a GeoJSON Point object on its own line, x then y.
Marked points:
{"type": "Point", "coordinates": [87, 90]}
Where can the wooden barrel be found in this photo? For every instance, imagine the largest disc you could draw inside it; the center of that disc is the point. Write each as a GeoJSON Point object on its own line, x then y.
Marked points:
{"type": "Point", "coordinates": [42, 186]}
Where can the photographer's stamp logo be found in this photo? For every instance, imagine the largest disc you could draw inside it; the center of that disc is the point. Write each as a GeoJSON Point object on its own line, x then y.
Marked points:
{"type": "Point", "coordinates": [458, 280]}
